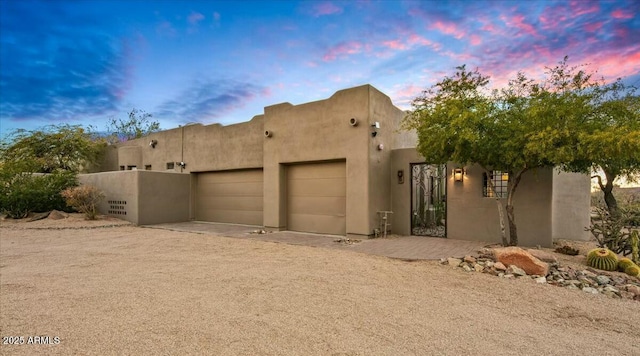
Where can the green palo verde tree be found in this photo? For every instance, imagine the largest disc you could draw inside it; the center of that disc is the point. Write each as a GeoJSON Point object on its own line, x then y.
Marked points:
{"type": "Point", "coordinates": [459, 119]}
{"type": "Point", "coordinates": [59, 151]}
{"type": "Point", "coordinates": [137, 124]}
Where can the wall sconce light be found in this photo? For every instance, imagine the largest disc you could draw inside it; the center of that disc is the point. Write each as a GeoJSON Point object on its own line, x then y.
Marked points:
{"type": "Point", "coordinates": [401, 176]}
{"type": "Point", "coordinates": [457, 174]}
{"type": "Point", "coordinates": [380, 147]}
{"type": "Point", "coordinates": [375, 125]}
{"type": "Point", "coordinates": [153, 143]}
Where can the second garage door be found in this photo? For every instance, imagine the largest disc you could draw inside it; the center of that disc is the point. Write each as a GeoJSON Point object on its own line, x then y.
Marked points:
{"type": "Point", "coordinates": [316, 198]}
{"type": "Point", "coordinates": [230, 197]}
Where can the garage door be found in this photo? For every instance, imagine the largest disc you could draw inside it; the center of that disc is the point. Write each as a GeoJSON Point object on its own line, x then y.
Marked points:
{"type": "Point", "coordinates": [316, 198]}
{"type": "Point", "coordinates": [230, 197]}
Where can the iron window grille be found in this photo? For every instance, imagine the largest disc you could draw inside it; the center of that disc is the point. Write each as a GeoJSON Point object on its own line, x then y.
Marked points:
{"type": "Point", "coordinates": [500, 185]}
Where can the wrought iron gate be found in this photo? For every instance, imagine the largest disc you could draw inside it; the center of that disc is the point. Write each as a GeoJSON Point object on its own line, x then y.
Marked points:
{"type": "Point", "coordinates": [428, 200]}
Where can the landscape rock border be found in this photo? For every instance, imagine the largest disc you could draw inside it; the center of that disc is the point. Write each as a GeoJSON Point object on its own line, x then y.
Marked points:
{"type": "Point", "coordinates": [589, 280]}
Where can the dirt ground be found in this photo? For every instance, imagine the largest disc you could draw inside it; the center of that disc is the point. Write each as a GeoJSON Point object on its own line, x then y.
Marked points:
{"type": "Point", "coordinates": [126, 290]}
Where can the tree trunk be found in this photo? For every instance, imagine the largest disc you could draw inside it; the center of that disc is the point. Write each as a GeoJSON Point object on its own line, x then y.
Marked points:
{"type": "Point", "coordinates": [512, 186]}
{"type": "Point", "coordinates": [609, 199]}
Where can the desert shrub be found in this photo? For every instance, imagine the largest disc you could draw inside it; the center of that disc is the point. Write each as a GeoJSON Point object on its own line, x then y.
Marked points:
{"type": "Point", "coordinates": [85, 199]}
{"type": "Point", "coordinates": [613, 232]}
{"type": "Point", "coordinates": [23, 193]}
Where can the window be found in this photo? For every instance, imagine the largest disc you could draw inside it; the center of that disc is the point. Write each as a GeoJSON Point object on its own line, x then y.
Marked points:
{"type": "Point", "coordinates": [132, 168]}
{"type": "Point", "coordinates": [170, 165]}
{"type": "Point", "coordinates": [147, 167]}
{"type": "Point", "coordinates": [500, 180]}
{"type": "Point", "coordinates": [122, 168]}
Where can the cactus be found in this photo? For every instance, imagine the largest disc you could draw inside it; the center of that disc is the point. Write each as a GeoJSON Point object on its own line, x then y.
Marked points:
{"type": "Point", "coordinates": [602, 258]}
{"type": "Point", "coordinates": [635, 245]}
{"type": "Point", "coordinates": [633, 270]}
{"type": "Point", "coordinates": [624, 263]}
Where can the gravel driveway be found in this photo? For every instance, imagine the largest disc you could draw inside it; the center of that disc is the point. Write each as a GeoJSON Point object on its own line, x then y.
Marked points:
{"type": "Point", "coordinates": [127, 290]}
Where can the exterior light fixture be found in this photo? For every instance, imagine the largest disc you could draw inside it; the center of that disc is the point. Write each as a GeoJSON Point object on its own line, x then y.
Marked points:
{"type": "Point", "coordinates": [457, 174]}
{"type": "Point", "coordinates": [375, 125]}
{"type": "Point", "coordinates": [353, 121]}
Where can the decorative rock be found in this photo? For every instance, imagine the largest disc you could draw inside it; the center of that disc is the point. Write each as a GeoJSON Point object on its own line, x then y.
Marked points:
{"type": "Point", "coordinates": [454, 262]}
{"type": "Point", "coordinates": [499, 266]}
{"type": "Point", "coordinates": [478, 267]}
{"type": "Point", "coordinates": [469, 259]}
{"type": "Point", "coordinates": [602, 280]}
{"type": "Point", "coordinates": [39, 216]}
{"type": "Point", "coordinates": [611, 289]}
{"type": "Point", "coordinates": [515, 270]}
{"type": "Point", "coordinates": [543, 256]}
{"type": "Point", "coordinates": [489, 263]}
{"type": "Point", "coordinates": [590, 290]}
{"type": "Point", "coordinates": [523, 259]}
{"type": "Point", "coordinates": [541, 280]}
{"type": "Point", "coordinates": [466, 268]}
{"type": "Point", "coordinates": [633, 289]}
{"type": "Point", "coordinates": [58, 215]}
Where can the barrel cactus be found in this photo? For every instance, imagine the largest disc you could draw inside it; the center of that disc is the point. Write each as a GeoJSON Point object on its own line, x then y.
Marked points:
{"type": "Point", "coordinates": [602, 258]}
{"type": "Point", "coordinates": [633, 270]}
{"type": "Point", "coordinates": [623, 263]}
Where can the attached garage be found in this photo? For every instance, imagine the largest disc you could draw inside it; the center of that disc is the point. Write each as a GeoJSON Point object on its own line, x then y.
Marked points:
{"type": "Point", "coordinates": [316, 198]}
{"type": "Point", "coordinates": [230, 197]}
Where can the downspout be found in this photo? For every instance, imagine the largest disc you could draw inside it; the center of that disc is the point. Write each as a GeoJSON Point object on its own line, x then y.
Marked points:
{"type": "Point", "coordinates": [182, 149]}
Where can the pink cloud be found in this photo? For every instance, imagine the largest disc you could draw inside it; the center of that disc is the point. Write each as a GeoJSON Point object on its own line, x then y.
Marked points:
{"type": "Point", "coordinates": [476, 40]}
{"type": "Point", "coordinates": [326, 8]}
{"type": "Point", "coordinates": [593, 27]}
{"type": "Point", "coordinates": [518, 21]}
{"type": "Point", "coordinates": [621, 14]}
{"type": "Point", "coordinates": [343, 49]}
{"type": "Point", "coordinates": [579, 8]}
{"type": "Point", "coordinates": [417, 39]}
{"type": "Point", "coordinates": [448, 28]}
{"type": "Point", "coordinates": [195, 17]}
{"type": "Point", "coordinates": [395, 44]}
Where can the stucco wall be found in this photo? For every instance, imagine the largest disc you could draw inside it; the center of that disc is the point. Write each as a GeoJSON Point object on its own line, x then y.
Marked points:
{"type": "Point", "coordinates": [571, 203]}
{"type": "Point", "coordinates": [202, 148]}
{"type": "Point", "coordinates": [313, 132]}
{"type": "Point", "coordinates": [470, 216]}
{"type": "Point", "coordinates": [146, 197]}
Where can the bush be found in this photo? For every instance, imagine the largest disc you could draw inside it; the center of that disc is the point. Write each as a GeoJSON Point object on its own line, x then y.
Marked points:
{"type": "Point", "coordinates": [23, 193]}
{"type": "Point", "coordinates": [85, 199]}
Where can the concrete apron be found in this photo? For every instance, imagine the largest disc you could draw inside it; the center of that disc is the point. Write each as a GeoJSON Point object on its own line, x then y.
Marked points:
{"type": "Point", "coordinates": [400, 247]}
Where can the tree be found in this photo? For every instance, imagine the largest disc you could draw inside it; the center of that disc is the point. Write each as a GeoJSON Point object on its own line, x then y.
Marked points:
{"type": "Point", "coordinates": [137, 125]}
{"type": "Point", "coordinates": [58, 147]}
{"type": "Point", "coordinates": [59, 151]}
{"type": "Point", "coordinates": [519, 128]}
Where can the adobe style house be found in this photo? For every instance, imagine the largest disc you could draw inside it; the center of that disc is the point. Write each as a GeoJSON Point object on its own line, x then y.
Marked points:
{"type": "Point", "coordinates": [333, 166]}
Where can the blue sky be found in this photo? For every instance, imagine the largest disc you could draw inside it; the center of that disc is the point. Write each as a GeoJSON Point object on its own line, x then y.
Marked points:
{"type": "Point", "coordinates": [83, 62]}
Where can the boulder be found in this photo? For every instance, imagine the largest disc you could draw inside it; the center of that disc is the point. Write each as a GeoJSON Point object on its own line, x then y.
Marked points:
{"type": "Point", "coordinates": [543, 255]}
{"type": "Point", "coordinates": [58, 215]}
{"type": "Point", "coordinates": [521, 258]}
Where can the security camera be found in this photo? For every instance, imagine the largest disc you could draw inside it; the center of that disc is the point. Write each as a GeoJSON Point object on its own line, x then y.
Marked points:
{"type": "Point", "coordinates": [182, 164]}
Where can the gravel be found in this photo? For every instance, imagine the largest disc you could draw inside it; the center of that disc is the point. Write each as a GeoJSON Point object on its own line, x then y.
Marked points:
{"type": "Point", "coordinates": [126, 290]}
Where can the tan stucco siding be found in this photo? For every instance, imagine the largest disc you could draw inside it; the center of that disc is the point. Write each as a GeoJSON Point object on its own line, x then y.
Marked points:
{"type": "Point", "coordinates": [470, 216]}
{"type": "Point", "coordinates": [319, 131]}
{"type": "Point", "coordinates": [571, 203]}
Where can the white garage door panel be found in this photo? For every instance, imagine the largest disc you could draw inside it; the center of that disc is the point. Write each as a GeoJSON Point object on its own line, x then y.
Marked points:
{"type": "Point", "coordinates": [316, 198]}
{"type": "Point", "coordinates": [230, 197]}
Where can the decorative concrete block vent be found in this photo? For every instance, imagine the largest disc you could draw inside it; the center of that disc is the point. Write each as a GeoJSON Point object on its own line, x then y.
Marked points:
{"type": "Point", "coordinates": [117, 207]}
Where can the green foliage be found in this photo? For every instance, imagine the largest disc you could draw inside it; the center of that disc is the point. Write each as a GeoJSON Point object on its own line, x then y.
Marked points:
{"type": "Point", "coordinates": [567, 119]}
{"type": "Point", "coordinates": [85, 199]}
{"type": "Point", "coordinates": [23, 193]}
{"type": "Point", "coordinates": [137, 125]}
{"type": "Point", "coordinates": [610, 231]}
{"type": "Point", "coordinates": [62, 147]}
{"type": "Point", "coordinates": [602, 258]}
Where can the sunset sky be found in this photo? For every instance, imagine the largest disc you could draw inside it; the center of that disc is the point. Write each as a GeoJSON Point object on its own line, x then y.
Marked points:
{"type": "Point", "coordinates": [84, 61]}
